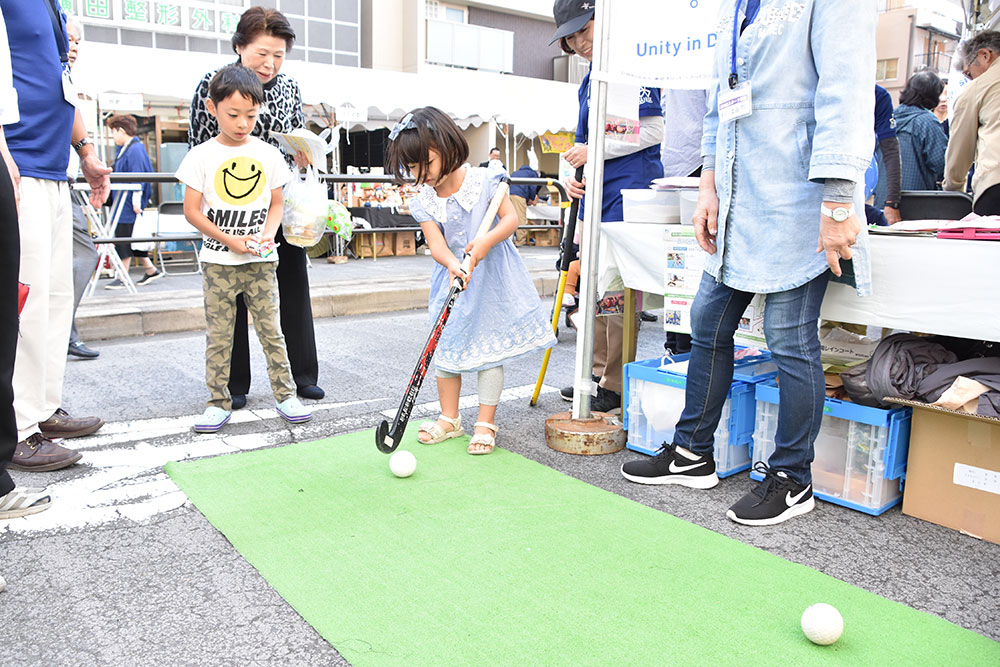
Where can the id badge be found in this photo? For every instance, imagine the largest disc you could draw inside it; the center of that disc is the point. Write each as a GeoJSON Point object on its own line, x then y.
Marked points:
{"type": "Point", "coordinates": [735, 102]}
{"type": "Point", "coordinates": [69, 90]}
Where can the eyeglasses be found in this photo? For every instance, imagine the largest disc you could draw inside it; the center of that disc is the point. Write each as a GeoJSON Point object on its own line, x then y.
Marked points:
{"type": "Point", "coordinates": [967, 70]}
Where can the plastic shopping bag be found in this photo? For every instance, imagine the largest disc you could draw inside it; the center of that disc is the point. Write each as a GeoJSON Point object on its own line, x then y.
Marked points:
{"type": "Point", "coordinates": [305, 214]}
{"type": "Point", "coordinates": [339, 221]}
{"type": "Point", "coordinates": [144, 227]}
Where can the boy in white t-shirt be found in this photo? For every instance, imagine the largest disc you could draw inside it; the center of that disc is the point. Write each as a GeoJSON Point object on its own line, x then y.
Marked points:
{"type": "Point", "coordinates": [233, 198]}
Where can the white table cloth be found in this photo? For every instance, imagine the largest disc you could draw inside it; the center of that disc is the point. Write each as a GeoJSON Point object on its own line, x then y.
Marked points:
{"type": "Point", "coordinates": [924, 284]}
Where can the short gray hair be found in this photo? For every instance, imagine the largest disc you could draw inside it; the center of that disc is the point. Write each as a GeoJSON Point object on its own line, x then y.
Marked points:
{"type": "Point", "coordinates": [988, 39]}
{"type": "Point", "coordinates": [71, 22]}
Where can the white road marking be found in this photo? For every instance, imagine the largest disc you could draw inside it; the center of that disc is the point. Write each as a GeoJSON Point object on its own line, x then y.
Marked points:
{"type": "Point", "coordinates": [471, 401]}
{"type": "Point", "coordinates": [121, 476]}
{"type": "Point", "coordinates": [139, 429]}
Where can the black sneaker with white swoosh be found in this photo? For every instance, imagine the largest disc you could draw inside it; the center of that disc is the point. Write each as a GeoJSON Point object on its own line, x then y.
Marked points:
{"type": "Point", "coordinates": [673, 465]}
{"type": "Point", "coordinates": [776, 499]}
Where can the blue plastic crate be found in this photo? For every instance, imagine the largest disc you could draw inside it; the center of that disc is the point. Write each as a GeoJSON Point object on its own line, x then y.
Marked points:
{"type": "Point", "coordinates": [858, 452]}
{"type": "Point", "coordinates": [652, 383]}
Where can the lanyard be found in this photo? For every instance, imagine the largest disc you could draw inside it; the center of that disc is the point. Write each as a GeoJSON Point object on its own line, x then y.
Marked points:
{"type": "Point", "coordinates": [749, 19]}
{"type": "Point", "coordinates": [59, 31]}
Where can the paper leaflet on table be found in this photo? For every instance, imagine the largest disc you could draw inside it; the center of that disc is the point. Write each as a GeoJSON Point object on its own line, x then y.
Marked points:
{"type": "Point", "coordinates": [302, 140]}
{"type": "Point", "coordinates": [971, 220]}
{"type": "Point", "coordinates": [621, 126]}
{"type": "Point", "coordinates": [685, 261]}
{"type": "Point", "coordinates": [684, 266]}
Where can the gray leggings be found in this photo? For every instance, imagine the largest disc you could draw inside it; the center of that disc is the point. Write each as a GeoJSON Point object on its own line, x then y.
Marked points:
{"type": "Point", "coordinates": [490, 382]}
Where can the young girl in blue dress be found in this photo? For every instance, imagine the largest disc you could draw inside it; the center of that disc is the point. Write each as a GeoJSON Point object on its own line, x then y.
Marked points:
{"type": "Point", "coordinates": [499, 315]}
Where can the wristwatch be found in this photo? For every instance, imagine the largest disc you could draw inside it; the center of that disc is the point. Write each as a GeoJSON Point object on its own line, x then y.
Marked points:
{"type": "Point", "coordinates": [838, 214]}
{"type": "Point", "coordinates": [892, 204]}
{"type": "Point", "coordinates": [80, 144]}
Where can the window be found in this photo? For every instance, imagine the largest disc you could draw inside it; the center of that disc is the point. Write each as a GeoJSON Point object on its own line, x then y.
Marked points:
{"type": "Point", "coordinates": [444, 12]}
{"type": "Point", "coordinates": [325, 29]}
{"type": "Point", "coordinates": [887, 70]}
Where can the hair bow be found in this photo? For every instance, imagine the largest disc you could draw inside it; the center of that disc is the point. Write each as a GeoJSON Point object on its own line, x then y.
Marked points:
{"type": "Point", "coordinates": [406, 124]}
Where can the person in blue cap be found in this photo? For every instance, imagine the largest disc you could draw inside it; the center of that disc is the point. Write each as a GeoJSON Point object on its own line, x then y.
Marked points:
{"type": "Point", "coordinates": [626, 166]}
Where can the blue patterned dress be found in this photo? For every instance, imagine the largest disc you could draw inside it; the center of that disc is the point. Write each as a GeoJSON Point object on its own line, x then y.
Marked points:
{"type": "Point", "coordinates": [499, 317]}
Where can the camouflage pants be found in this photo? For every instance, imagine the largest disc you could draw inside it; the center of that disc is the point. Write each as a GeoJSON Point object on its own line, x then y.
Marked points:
{"type": "Point", "coordinates": [222, 284]}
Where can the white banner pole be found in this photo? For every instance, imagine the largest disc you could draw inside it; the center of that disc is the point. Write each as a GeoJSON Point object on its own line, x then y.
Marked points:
{"type": "Point", "coordinates": [591, 237]}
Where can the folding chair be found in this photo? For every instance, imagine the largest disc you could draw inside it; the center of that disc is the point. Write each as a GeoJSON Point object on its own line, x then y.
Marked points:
{"type": "Point", "coordinates": [104, 226]}
{"type": "Point", "coordinates": [934, 205]}
{"type": "Point", "coordinates": [170, 221]}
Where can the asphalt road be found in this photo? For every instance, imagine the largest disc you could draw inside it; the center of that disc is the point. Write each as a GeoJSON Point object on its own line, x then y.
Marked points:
{"type": "Point", "coordinates": [123, 571]}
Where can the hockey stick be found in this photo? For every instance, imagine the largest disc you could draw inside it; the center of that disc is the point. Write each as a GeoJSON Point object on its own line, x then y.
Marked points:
{"type": "Point", "coordinates": [387, 438]}
{"type": "Point", "coordinates": [564, 259]}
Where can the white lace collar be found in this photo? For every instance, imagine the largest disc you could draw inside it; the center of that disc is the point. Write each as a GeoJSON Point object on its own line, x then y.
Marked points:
{"type": "Point", "coordinates": [468, 194]}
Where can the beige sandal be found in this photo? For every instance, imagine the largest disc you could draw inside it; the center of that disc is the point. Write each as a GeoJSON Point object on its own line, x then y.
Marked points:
{"type": "Point", "coordinates": [438, 434]}
{"type": "Point", "coordinates": [483, 440]}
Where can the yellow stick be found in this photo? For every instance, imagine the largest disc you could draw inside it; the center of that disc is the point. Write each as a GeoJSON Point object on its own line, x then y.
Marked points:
{"type": "Point", "coordinates": [555, 328]}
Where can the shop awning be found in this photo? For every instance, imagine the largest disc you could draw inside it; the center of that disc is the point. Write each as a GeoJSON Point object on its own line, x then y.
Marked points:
{"type": "Point", "coordinates": [533, 106]}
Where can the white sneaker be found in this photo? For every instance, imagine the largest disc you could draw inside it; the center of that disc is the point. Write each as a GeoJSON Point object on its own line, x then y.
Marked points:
{"type": "Point", "coordinates": [3, 584]}
{"type": "Point", "coordinates": [22, 501]}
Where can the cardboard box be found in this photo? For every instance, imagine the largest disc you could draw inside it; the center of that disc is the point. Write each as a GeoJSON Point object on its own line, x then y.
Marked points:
{"type": "Point", "coordinates": [545, 237]}
{"type": "Point", "coordinates": [384, 243]}
{"type": "Point", "coordinates": [381, 241]}
{"type": "Point", "coordinates": [953, 470]}
{"type": "Point", "coordinates": [405, 243]}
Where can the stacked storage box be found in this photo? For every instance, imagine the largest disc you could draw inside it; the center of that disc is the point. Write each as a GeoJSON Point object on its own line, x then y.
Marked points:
{"type": "Point", "coordinates": [654, 399]}
{"type": "Point", "coordinates": [860, 451]}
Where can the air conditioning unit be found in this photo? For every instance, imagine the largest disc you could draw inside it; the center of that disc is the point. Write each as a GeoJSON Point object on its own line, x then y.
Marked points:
{"type": "Point", "coordinates": [569, 68]}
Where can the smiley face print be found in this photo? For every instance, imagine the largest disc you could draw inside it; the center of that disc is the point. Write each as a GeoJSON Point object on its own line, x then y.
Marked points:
{"type": "Point", "coordinates": [239, 181]}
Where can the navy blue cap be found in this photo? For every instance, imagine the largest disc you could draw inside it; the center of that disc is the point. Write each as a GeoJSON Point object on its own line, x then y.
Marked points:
{"type": "Point", "coordinates": [571, 16]}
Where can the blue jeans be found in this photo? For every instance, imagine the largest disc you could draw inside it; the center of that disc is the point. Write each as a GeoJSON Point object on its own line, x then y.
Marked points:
{"type": "Point", "coordinates": [791, 328]}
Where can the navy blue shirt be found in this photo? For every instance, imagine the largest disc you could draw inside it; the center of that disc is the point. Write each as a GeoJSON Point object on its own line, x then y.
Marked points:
{"type": "Point", "coordinates": [132, 158]}
{"type": "Point", "coordinates": [526, 191]}
{"type": "Point", "coordinates": [885, 123]}
{"type": "Point", "coordinates": [633, 171]}
{"type": "Point", "coordinates": [39, 141]}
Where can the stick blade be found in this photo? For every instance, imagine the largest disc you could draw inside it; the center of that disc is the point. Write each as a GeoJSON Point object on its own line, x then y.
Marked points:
{"type": "Point", "coordinates": [384, 440]}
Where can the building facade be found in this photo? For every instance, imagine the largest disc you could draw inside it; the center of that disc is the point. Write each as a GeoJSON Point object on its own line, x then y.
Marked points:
{"type": "Point", "coordinates": [914, 35]}
{"type": "Point", "coordinates": [488, 64]}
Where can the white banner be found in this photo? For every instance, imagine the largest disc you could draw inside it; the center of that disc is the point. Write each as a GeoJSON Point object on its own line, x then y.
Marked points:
{"type": "Point", "coordinates": [663, 44]}
{"type": "Point", "coordinates": [121, 101]}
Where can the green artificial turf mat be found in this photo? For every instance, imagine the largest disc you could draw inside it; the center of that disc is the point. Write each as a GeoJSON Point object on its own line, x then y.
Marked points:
{"type": "Point", "coordinates": [500, 560]}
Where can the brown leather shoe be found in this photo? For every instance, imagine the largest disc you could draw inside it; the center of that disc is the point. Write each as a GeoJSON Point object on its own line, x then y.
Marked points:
{"type": "Point", "coordinates": [61, 425]}
{"type": "Point", "coordinates": [37, 453]}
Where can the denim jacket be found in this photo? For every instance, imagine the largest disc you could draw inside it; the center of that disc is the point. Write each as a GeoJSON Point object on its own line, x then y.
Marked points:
{"type": "Point", "coordinates": [811, 64]}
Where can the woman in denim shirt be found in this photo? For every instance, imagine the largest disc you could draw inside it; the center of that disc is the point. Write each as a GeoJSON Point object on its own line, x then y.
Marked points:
{"type": "Point", "coordinates": [779, 193]}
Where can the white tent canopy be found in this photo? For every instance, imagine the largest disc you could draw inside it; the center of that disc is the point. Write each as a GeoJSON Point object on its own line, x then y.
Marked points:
{"type": "Point", "coordinates": [533, 106]}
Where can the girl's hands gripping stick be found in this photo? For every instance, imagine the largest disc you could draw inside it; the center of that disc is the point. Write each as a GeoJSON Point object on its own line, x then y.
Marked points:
{"type": "Point", "coordinates": [474, 253]}
{"type": "Point", "coordinates": [457, 272]}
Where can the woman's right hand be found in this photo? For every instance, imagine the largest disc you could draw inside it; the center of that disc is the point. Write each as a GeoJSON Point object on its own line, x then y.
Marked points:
{"type": "Point", "coordinates": [576, 156]}
{"type": "Point", "coordinates": [706, 213]}
{"type": "Point", "coordinates": [302, 160]}
{"type": "Point", "coordinates": [575, 188]}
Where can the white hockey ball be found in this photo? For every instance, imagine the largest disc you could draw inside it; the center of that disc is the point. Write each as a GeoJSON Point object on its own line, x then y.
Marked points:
{"type": "Point", "coordinates": [402, 463]}
{"type": "Point", "coordinates": [822, 624]}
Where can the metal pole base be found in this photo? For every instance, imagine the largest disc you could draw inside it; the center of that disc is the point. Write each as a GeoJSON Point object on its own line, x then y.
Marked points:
{"type": "Point", "coordinates": [600, 433]}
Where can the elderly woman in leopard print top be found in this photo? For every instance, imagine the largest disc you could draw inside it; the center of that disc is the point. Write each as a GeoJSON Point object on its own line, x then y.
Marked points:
{"type": "Point", "coordinates": [262, 38]}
